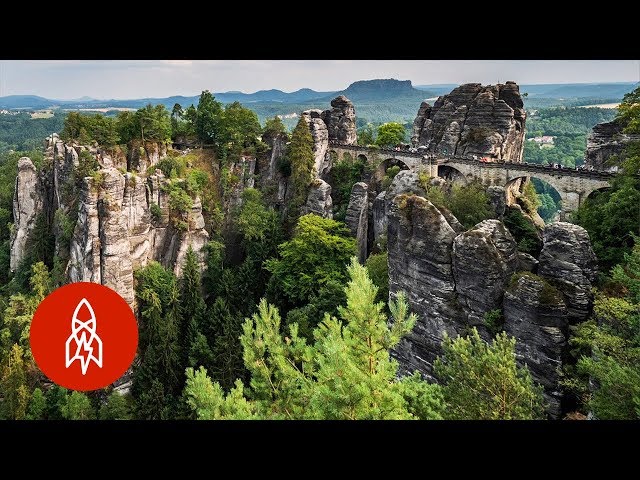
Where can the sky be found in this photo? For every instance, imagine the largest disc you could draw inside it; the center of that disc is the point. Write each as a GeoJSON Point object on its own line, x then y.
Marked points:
{"type": "Point", "coordinates": [122, 79]}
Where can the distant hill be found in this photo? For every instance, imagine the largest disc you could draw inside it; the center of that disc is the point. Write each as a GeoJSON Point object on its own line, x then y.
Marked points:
{"type": "Point", "coordinates": [382, 90]}
{"type": "Point", "coordinates": [579, 90]}
{"type": "Point", "coordinates": [25, 101]}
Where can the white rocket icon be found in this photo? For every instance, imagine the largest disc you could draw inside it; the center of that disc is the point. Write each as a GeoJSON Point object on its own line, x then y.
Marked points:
{"type": "Point", "coordinates": [83, 344]}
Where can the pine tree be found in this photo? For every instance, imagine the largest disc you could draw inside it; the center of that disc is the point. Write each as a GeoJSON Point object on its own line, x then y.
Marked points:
{"type": "Point", "coordinates": [482, 381]}
{"type": "Point", "coordinates": [78, 407]}
{"type": "Point", "coordinates": [13, 386]}
{"type": "Point", "coordinates": [159, 343]}
{"type": "Point", "coordinates": [300, 154]}
{"type": "Point", "coordinates": [117, 407]}
{"type": "Point", "coordinates": [192, 306]}
{"type": "Point", "coordinates": [346, 374]}
{"type": "Point", "coordinates": [37, 405]}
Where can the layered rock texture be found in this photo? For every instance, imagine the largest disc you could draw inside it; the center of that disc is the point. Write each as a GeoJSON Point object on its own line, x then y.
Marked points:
{"type": "Point", "coordinates": [357, 218]}
{"type": "Point", "coordinates": [453, 278]}
{"type": "Point", "coordinates": [474, 120]}
{"type": "Point", "coordinates": [335, 125]}
{"type": "Point", "coordinates": [119, 221]}
{"type": "Point", "coordinates": [604, 141]}
{"type": "Point", "coordinates": [27, 202]}
{"type": "Point", "coordinates": [319, 199]}
{"type": "Point", "coordinates": [535, 314]}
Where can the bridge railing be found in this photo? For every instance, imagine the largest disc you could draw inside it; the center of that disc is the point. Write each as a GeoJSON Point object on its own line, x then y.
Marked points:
{"type": "Point", "coordinates": [442, 158]}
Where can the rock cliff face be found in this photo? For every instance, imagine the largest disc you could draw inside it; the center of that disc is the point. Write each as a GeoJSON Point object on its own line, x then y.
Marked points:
{"type": "Point", "coordinates": [452, 278]}
{"type": "Point", "coordinates": [117, 227]}
{"type": "Point", "coordinates": [319, 199]}
{"type": "Point", "coordinates": [535, 314]}
{"type": "Point", "coordinates": [420, 244]}
{"type": "Point", "coordinates": [357, 218]}
{"type": "Point", "coordinates": [320, 136]}
{"type": "Point", "coordinates": [337, 124]}
{"type": "Point", "coordinates": [341, 121]}
{"type": "Point", "coordinates": [27, 202]}
{"type": "Point", "coordinates": [483, 260]}
{"type": "Point", "coordinates": [474, 120]}
{"type": "Point", "coordinates": [568, 262]}
{"type": "Point", "coordinates": [605, 140]}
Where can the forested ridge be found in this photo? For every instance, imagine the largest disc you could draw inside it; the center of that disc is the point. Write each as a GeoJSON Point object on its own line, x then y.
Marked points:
{"type": "Point", "coordinates": [282, 322]}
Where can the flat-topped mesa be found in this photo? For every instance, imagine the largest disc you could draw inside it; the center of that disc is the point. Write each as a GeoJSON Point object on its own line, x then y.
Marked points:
{"type": "Point", "coordinates": [487, 121]}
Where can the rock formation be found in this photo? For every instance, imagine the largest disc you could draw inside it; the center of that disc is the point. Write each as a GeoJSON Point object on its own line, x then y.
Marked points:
{"type": "Point", "coordinates": [483, 259]}
{"type": "Point", "coordinates": [357, 217]}
{"type": "Point", "coordinates": [319, 199]}
{"type": "Point", "coordinates": [535, 314]}
{"type": "Point", "coordinates": [341, 121]}
{"type": "Point", "coordinates": [320, 134]}
{"type": "Point", "coordinates": [26, 205]}
{"type": "Point", "coordinates": [453, 279]}
{"type": "Point", "coordinates": [605, 140]}
{"type": "Point", "coordinates": [335, 125]}
{"type": "Point", "coordinates": [420, 243]}
{"type": "Point", "coordinates": [120, 221]}
{"type": "Point", "coordinates": [568, 262]}
{"type": "Point", "coordinates": [474, 120]}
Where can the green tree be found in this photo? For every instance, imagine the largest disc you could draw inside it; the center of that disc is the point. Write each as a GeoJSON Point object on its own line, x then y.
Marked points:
{"type": "Point", "coordinates": [300, 155]}
{"type": "Point", "coordinates": [378, 270]}
{"type": "Point", "coordinates": [117, 407]}
{"type": "Point", "coordinates": [469, 203]}
{"type": "Point", "coordinates": [273, 127]}
{"type": "Point", "coordinates": [78, 407]}
{"type": "Point", "coordinates": [192, 306]}
{"type": "Point", "coordinates": [13, 385]}
{"type": "Point", "coordinates": [37, 405]}
{"type": "Point", "coordinates": [208, 119]}
{"type": "Point", "coordinates": [629, 111]}
{"type": "Point", "coordinates": [346, 374]}
{"type": "Point", "coordinates": [482, 381]}
{"type": "Point", "coordinates": [240, 126]}
{"type": "Point", "coordinates": [607, 347]}
{"type": "Point", "coordinates": [390, 134]}
{"type": "Point", "coordinates": [317, 254]}
{"type": "Point", "coordinates": [56, 398]}
{"type": "Point", "coordinates": [366, 135]}
{"type": "Point", "coordinates": [159, 375]}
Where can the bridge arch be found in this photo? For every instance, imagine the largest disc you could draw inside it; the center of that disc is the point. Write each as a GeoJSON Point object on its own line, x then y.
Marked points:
{"type": "Point", "coordinates": [597, 191]}
{"type": "Point", "coordinates": [550, 196]}
{"type": "Point", "coordinates": [454, 175]}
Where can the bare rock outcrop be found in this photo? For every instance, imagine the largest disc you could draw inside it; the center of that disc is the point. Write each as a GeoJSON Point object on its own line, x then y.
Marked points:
{"type": "Point", "coordinates": [26, 204]}
{"type": "Point", "coordinates": [604, 141]}
{"type": "Point", "coordinates": [319, 199]}
{"type": "Point", "coordinates": [484, 259]}
{"type": "Point", "coordinates": [569, 263]}
{"type": "Point", "coordinates": [341, 121]}
{"type": "Point", "coordinates": [420, 244]}
{"type": "Point", "coordinates": [474, 120]}
{"type": "Point", "coordinates": [535, 314]}
{"type": "Point", "coordinates": [320, 134]}
{"type": "Point", "coordinates": [122, 220]}
{"type": "Point", "coordinates": [357, 217]}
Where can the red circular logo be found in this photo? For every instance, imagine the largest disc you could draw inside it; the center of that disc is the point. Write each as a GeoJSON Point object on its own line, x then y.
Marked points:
{"type": "Point", "coordinates": [84, 336]}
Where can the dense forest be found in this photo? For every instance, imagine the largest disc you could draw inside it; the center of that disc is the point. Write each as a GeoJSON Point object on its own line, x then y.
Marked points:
{"type": "Point", "coordinates": [283, 322]}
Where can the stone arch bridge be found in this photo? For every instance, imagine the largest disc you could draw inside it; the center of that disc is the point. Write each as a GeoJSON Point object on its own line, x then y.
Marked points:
{"type": "Point", "coordinates": [574, 186]}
